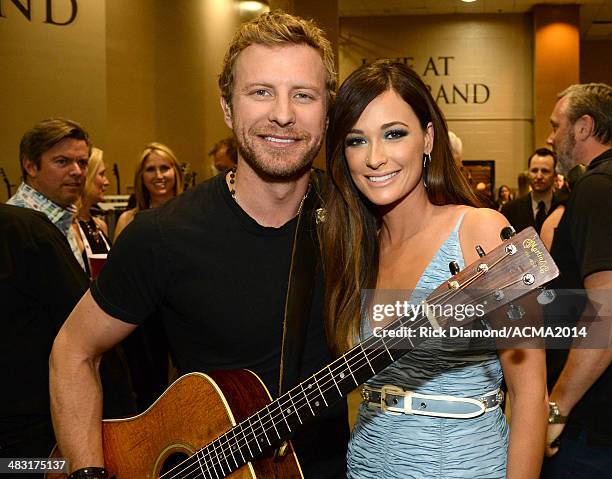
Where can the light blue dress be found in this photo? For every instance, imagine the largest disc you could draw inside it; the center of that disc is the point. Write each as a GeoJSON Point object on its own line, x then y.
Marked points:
{"type": "Point", "coordinates": [411, 446]}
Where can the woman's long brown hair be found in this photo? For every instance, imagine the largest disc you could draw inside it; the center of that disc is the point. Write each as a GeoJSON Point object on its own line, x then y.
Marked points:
{"type": "Point", "coordinates": [349, 235]}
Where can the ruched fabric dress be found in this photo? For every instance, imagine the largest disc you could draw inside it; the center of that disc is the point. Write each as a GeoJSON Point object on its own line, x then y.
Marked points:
{"type": "Point", "coordinates": [411, 446]}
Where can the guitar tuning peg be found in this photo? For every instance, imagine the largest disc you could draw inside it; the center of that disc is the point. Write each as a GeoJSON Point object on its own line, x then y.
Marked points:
{"type": "Point", "coordinates": [507, 233]}
{"type": "Point", "coordinates": [480, 251]}
{"type": "Point", "coordinates": [454, 268]}
{"type": "Point", "coordinates": [515, 312]}
{"type": "Point", "coordinates": [546, 296]}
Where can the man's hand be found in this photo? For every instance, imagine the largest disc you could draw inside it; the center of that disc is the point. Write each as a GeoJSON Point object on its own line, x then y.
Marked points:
{"type": "Point", "coordinates": [552, 434]}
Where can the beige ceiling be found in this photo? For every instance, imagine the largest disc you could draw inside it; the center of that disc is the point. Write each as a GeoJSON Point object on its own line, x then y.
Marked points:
{"type": "Point", "coordinates": [595, 15]}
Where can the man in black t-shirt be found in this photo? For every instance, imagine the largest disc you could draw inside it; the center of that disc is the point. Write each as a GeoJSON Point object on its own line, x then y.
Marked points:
{"type": "Point", "coordinates": [217, 262]}
{"type": "Point", "coordinates": [580, 405]}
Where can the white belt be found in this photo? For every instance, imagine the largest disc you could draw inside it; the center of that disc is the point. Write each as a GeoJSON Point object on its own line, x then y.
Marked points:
{"type": "Point", "coordinates": [395, 400]}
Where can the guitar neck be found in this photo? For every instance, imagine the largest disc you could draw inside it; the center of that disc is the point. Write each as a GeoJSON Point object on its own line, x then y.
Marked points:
{"type": "Point", "coordinates": [503, 270]}
{"type": "Point", "coordinates": [116, 174]}
{"type": "Point", "coordinates": [6, 182]}
{"type": "Point", "coordinates": [270, 426]}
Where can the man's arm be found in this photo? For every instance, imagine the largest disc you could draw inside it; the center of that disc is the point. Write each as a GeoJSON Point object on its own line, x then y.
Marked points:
{"type": "Point", "coordinates": [583, 366]}
{"type": "Point", "coordinates": [74, 381]}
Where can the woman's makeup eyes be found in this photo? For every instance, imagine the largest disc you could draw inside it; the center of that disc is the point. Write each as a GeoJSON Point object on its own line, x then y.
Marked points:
{"type": "Point", "coordinates": [162, 169]}
{"type": "Point", "coordinates": [395, 133]}
{"type": "Point", "coordinates": [354, 141]}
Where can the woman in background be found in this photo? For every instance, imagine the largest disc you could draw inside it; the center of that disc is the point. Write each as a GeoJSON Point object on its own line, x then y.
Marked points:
{"type": "Point", "coordinates": [552, 220]}
{"type": "Point", "coordinates": [92, 238]}
{"type": "Point", "coordinates": [504, 195]}
{"type": "Point", "coordinates": [158, 178]}
{"type": "Point", "coordinates": [91, 231]}
{"type": "Point", "coordinates": [397, 212]}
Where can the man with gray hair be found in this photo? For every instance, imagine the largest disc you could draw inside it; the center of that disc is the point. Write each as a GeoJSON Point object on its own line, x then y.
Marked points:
{"type": "Point", "coordinates": [579, 442]}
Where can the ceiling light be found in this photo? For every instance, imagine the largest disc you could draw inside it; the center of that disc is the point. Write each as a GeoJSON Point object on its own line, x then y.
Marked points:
{"type": "Point", "coordinates": [254, 6]}
{"type": "Point", "coordinates": [468, 1]}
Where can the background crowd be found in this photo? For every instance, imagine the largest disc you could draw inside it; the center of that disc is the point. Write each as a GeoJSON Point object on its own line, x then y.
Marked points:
{"type": "Point", "coordinates": [226, 274]}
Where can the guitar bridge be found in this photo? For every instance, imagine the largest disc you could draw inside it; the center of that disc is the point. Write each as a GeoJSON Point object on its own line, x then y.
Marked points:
{"type": "Point", "coordinates": [281, 451]}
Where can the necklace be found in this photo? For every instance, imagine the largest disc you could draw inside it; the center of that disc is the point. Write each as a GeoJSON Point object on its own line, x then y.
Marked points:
{"type": "Point", "coordinates": [232, 181]}
{"type": "Point", "coordinates": [92, 230]}
{"type": "Point", "coordinates": [232, 188]}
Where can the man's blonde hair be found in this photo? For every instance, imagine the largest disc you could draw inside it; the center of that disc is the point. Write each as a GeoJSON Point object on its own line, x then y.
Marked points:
{"type": "Point", "coordinates": [277, 28]}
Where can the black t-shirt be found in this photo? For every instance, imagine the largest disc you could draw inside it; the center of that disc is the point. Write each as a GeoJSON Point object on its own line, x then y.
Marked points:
{"type": "Point", "coordinates": [40, 282]}
{"type": "Point", "coordinates": [219, 281]}
{"type": "Point", "coordinates": [582, 245]}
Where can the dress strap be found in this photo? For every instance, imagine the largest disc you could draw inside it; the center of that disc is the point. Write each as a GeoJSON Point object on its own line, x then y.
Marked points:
{"type": "Point", "coordinates": [459, 221]}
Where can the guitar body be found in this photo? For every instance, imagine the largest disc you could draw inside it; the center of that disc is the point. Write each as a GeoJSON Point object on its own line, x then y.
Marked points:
{"type": "Point", "coordinates": [192, 412]}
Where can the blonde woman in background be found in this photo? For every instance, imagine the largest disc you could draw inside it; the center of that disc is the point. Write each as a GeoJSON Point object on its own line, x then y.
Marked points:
{"type": "Point", "coordinates": [158, 178]}
{"type": "Point", "coordinates": [92, 232]}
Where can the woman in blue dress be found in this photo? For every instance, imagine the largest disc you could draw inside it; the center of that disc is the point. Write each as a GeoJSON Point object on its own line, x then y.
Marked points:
{"type": "Point", "coordinates": [398, 212]}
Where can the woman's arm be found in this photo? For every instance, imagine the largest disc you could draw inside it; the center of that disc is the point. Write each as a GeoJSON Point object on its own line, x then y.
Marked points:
{"type": "Point", "coordinates": [549, 226]}
{"type": "Point", "coordinates": [124, 220]}
{"type": "Point", "coordinates": [525, 374]}
{"type": "Point", "coordinates": [524, 369]}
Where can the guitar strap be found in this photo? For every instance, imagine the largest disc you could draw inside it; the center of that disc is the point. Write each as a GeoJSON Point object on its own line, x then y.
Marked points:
{"type": "Point", "coordinates": [298, 303]}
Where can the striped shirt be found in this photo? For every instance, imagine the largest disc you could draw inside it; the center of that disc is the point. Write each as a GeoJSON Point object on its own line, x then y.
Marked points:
{"type": "Point", "coordinates": [28, 197]}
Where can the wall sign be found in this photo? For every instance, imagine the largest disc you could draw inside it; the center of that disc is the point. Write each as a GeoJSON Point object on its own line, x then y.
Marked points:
{"type": "Point", "coordinates": [16, 8]}
{"type": "Point", "coordinates": [445, 92]}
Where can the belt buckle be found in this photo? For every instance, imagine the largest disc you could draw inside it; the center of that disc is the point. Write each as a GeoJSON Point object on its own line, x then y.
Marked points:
{"type": "Point", "coordinates": [389, 389]}
{"type": "Point", "coordinates": [492, 400]}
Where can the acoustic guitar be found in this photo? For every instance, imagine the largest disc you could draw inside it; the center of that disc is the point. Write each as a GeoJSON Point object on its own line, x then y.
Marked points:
{"type": "Point", "coordinates": [224, 424]}
{"type": "Point", "coordinates": [117, 177]}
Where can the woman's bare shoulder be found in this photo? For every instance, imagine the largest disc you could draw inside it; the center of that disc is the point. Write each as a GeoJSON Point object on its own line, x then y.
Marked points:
{"type": "Point", "coordinates": [481, 226]}
{"type": "Point", "coordinates": [124, 220]}
{"type": "Point", "coordinates": [127, 215]}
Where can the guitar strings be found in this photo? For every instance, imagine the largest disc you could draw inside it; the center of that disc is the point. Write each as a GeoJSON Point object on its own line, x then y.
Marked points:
{"type": "Point", "coordinates": [265, 425]}
{"type": "Point", "coordinates": [301, 403]}
{"type": "Point", "coordinates": [232, 455]}
{"type": "Point", "coordinates": [214, 460]}
{"type": "Point", "coordinates": [219, 440]}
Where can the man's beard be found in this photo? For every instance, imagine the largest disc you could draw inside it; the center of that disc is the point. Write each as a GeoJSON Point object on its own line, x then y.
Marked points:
{"type": "Point", "coordinates": [565, 153]}
{"type": "Point", "coordinates": [272, 167]}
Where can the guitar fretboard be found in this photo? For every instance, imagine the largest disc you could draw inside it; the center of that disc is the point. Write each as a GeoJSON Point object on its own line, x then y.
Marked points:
{"type": "Point", "coordinates": [269, 426]}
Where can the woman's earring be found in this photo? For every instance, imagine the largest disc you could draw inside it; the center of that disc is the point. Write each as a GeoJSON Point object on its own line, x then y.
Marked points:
{"type": "Point", "coordinates": [426, 162]}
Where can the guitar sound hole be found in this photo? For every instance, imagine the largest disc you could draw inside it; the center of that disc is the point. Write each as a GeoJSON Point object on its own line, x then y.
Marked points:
{"type": "Point", "coordinates": [172, 460]}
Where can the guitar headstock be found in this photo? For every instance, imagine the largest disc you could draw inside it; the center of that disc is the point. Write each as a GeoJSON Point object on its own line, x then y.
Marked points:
{"type": "Point", "coordinates": [514, 268]}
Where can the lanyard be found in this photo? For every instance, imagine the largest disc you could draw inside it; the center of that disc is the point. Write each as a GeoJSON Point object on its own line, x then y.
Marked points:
{"type": "Point", "coordinates": [88, 251]}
